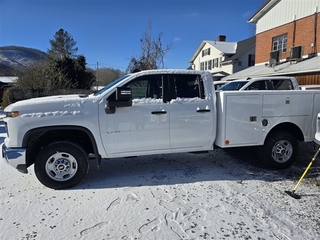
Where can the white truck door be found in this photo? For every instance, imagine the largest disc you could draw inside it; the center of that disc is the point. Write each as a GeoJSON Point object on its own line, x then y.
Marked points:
{"type": "Point", "coordinates": [142, 127]}
{"type": "Point", "coordinates": [191, 116]}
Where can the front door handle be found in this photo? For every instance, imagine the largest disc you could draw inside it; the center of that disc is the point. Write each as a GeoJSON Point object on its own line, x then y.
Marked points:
{"type": "Point", "coordinates": [159, 112]}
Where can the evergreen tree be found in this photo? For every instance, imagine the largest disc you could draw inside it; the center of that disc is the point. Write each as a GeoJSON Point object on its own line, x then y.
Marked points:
{"type": "Point", "coordinates": [64, 68]}
{"type": "Point", "coordinates": [63, 45]}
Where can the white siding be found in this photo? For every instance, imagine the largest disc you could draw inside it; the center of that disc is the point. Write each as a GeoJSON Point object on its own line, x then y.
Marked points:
{"type": "Point", "coordinates": [244, 59]}
{"type": "Point", "coordinates": [286, 11]}
{"type": "Point", "coordinates": [214, 54]}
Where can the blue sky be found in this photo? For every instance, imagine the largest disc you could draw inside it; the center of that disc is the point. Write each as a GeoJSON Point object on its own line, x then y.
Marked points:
{"type": "Point", "coordinates": [109, 31]}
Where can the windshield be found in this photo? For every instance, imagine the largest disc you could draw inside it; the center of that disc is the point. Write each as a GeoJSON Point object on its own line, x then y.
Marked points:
{"type": "Point", "coordinates": [110, 85]}
{"type": "Point", "coordinates": [233, 86]}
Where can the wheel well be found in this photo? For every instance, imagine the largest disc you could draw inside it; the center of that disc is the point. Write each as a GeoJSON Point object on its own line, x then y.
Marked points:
{"type": "Point", "coordinates": [36, 139]}
{"type": "Point", "coordinates": [290, 128]}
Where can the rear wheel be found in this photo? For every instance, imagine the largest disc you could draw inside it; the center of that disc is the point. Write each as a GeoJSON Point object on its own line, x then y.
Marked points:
{"type": "Point", "coordinates": [280, 150]}
{"type": "Point", "coordinates": [61, 164]}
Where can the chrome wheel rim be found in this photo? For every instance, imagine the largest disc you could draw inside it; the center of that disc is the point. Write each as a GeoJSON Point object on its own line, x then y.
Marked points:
{"type": "Point", "coordinates": [282, 151]}
{"type": "Point", "coordinates": [61, 166]}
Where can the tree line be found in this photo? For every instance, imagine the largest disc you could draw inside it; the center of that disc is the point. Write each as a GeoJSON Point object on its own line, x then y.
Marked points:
{"type": "Point", "coordinates": [64, 69]}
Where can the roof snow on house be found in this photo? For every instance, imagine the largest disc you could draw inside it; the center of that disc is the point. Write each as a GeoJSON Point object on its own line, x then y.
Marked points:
{"type": "Point", "coordinates": [8, 80]}
{"type": "Point", "coordinates": [226, 48]}
{"type": "Point", "coordinates": [242, 47]}
{"type": "Point", "coordinates": [311, 65]}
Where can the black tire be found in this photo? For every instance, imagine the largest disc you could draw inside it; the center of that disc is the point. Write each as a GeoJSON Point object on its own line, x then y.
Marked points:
{"type": "Point", "coordinates": [280, 150]}
{"type": "Point", "coordinates": [61, 165]}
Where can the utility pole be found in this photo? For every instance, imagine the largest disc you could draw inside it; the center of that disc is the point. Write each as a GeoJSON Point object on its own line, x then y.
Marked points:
{"type": "Point", "coordinates": [97, 76]}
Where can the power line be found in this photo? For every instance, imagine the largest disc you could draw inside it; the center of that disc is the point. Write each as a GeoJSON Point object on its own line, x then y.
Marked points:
{"type": "Point", "coordinates": [106, 65]}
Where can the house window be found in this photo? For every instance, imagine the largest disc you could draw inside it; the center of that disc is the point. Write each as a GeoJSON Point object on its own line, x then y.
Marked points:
{"type": "Point", "coordinates": [202, 66]}
{"type": "Point", "coordinates": [216, 62]}
{"type": "Point", "coordinates": [205, 52]}
{"type": "Point", "coordinates": [280, 43]}
{"type": "Point", "coordinates": [209, 65]}
{"type": "Point", "coordinates": [251, 60]}
{"type": "Point", "coordinates": [206, 65]}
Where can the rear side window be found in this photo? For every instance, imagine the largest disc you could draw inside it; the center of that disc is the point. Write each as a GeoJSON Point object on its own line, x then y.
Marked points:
{"type": "Point", "coordinates": [258, 85]}
{"type": "Point", "coordinates": [282, 84]}
{"type": "Point", "coordinates": [187, 86]}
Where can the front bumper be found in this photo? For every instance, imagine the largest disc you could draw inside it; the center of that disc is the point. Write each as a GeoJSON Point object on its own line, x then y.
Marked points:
{"type": "Point", "coordinates": [15, 157]}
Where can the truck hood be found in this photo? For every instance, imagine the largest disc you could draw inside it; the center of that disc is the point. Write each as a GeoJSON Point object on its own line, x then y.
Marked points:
{"type": "Point", "coordinates": [51, 103]}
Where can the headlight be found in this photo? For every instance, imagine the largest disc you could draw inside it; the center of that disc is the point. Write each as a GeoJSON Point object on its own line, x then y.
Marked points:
{"type": "Point", "coordinates": [12, 114]}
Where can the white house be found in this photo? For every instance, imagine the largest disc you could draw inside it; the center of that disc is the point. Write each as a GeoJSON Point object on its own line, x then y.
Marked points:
{"type": "Point", "coordinates": [222, 58]}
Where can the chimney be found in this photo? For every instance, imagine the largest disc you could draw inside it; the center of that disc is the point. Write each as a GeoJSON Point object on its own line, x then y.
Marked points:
{"type": "Point", "coordinates": [222, 38]}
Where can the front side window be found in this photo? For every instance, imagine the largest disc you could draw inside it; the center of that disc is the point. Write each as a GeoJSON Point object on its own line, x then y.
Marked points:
{"type": "Point", "coordinates": [149, 86]}
{"type": "Point", "coordinates": [107, 87]}
{"type": "Point", "coordinates": [279, 43]}
{"type": "Point", "coordinates": [233, 86]}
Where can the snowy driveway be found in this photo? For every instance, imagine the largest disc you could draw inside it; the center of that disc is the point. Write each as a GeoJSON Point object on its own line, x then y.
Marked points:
{"type": "Point", "coordinates": [221, 195]}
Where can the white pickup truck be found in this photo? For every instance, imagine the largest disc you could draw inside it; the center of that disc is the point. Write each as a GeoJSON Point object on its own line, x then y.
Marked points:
{"type": "Point", "coordinates": [261, 83]}
{"type": "Point", "coordinates": [153, 112]}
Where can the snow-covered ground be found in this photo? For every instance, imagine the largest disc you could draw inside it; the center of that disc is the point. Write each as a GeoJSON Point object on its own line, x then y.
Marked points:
{"type": "Point", "coordinates": [221, 195]}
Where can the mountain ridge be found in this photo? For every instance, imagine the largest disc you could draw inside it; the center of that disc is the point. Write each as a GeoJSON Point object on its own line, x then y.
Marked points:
{"type": "Point", "coordinates": [16, 57]}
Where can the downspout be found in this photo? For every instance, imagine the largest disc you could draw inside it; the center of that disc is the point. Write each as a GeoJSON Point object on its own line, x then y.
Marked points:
{"type": "Point", "coordinates": [315, 31]}
{"type": "Point", "coordinates": [294, 31]}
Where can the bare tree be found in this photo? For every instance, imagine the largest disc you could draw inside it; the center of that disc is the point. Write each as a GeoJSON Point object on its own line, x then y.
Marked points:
{"type": "Point", "coordinates": [107, 75]}
{"type": "Point", "coordinates": [152, 52]}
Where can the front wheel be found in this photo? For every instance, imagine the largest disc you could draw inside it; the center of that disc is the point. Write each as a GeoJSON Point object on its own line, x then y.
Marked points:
{"type": "Point", "coordinates": [280, 150]}
{"type": "Point", "coordinates": [61, 164]}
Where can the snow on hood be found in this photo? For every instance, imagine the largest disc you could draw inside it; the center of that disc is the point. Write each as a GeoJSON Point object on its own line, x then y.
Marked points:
{"type": "Point", "coordinates": [75, 100]}
{"type": "Point", "coordinates": [52, 106]}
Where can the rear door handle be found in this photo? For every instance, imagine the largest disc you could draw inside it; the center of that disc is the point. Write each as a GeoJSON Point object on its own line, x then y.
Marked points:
{"type": "Point", "coordinates": [159, 112]}
{"type": "Point", "coordinates": [203, 110]}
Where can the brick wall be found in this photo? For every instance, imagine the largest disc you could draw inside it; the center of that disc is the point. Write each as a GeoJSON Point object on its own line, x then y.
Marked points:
{"type": "Point", "coordinates": [304, 30]}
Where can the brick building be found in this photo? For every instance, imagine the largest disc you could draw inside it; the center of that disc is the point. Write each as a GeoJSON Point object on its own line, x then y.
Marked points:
{"type": "Point", "coordinates": [287, 41]}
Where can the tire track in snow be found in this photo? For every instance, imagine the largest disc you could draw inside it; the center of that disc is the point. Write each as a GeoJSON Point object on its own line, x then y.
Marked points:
{"type": "Point", "coordinates": [184, 221]}
{"type": "Point", "coordinates": [96, 227]}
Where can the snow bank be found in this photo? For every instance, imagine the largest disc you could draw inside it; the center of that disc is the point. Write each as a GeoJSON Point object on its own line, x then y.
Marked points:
{"type": "Point", "coordinates": [221, 195]}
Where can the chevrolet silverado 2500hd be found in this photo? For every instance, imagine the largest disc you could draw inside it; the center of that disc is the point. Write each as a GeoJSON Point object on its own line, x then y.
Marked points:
{"type": "Point", "coordinates": [153, 112]}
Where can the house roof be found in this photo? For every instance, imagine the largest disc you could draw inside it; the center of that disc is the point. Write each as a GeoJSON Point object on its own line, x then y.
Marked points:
{"type": "Point", "coordinates": [224, 47]}
{"type": "Point", "coordinates": [287, 68]}
{"type": "Point", "coordinates": [8, 79]}
{"type": "Point", "coordinates": [242, 47]}
{"type": "Point", "coordinates": [263, 10]}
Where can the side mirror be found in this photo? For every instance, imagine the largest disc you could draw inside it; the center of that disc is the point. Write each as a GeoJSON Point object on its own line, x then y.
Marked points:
{"type": "Point", "coordinates": [123, 99]}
